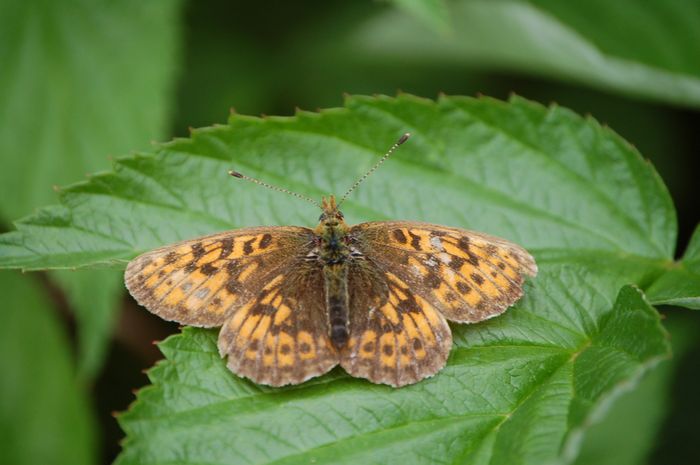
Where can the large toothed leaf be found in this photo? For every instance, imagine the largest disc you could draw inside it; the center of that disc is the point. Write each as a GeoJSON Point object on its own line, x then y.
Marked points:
{"type": "Point", "coordinates": [627, 435]}
{"type": "Point", "coordinates": [564, 187]}
{"type": "Point", "coordinates": [519, 389]}
{"type": "Point", "coordinates": [680, 284]}
{"type": "Point", "coordinates": [516, 390]}
{"type": "Point", "coordinates": [646, 49]}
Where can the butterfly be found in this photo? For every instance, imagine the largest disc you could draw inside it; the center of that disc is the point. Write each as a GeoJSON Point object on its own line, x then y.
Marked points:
{"type": "Point", "coordinates": [294, 302]}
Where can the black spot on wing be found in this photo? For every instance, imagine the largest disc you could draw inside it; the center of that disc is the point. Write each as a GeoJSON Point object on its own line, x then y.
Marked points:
{"type": "Point", "coordinates": [415, 241]}
{"type": "Point", "coordinates": [231, 286]}
{"type": "Point", "coordinates": [432, 280]}
{"type": "Point", "coordinates": [197, 251]}
{"type": "Point", "coordinates": [208, 269]}
{"type": "Point", "coordinates": [463, 244]}
{"type": "Point", "coordinates": [456, 263]}
{"type": "Point", "coordinates": [399, 236]}
{"type": "Point", "coordinates": [248, 246]}
{"type": "Point", "coordinates": [226, 247]}
{"type": "Point", "coordinates": [265, 241]}
{"type": "Point", "coordinates": [463, 287]}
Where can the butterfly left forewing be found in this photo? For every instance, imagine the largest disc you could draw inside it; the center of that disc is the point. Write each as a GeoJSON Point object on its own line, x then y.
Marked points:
{"type": "Point", "coordinates": [468, 276]}
{"type": "Point", "coordinates": [200, 282]}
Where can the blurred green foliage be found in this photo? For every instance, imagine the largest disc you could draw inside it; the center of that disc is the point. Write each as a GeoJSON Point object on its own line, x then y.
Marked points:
{"type": "Point", "coordinates": [44, 413]}
{"type": "Point", "coordinates": [82, 80]}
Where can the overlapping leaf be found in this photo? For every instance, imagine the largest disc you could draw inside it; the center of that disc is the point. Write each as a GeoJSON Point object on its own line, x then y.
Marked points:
{"type": "Point", "coordinates": [627, 435]}
{"type": "Point", "coordinates": [653, 56]}
{"type": "Point", "coordinates": [680, 284]}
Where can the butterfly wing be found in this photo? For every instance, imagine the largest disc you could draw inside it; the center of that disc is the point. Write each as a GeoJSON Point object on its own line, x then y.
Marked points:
{"type": "Point", "coordinates": [257, 285]}
{"type": "Point", "coordinates": [281, 336]}
{"type": "Point", "coordinates": [200, 282]}
{"type": "Point", "coordinates": [468, 276]}
{"type": "Point", "coordinates": [396, 336]}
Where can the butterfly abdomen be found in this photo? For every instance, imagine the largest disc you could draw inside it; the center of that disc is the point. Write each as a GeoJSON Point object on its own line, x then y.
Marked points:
{"type": "Point", "coordinates": [337, 302]}
{"type": "Point", "coordinates": [334, 254]}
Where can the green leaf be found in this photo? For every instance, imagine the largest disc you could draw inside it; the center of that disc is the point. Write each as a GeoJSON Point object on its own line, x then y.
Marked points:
{"type": "Point", "coordinates": [680, 285]}
{"type": "Point", "coordinates": [434, 13]}
{"type": "Point", "coordinates": [43, 414]}
{"type": "Point", "coordinates": [80, 80]}
{"type": "Point", "coordinates": [627, 435]}
{"type": "Point", "coordinates": [94, 296]}
{"type": "Point", "coordinates": [510, 394]}
{"type": "Point", "coordinates": [594, 213]}
{"type": "Point", "coordinates": [653, 56]}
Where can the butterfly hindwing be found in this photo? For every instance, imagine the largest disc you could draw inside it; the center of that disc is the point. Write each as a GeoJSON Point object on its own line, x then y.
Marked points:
{"type": "Point", "coordinates": [396, 336]}
{"type": "Point", "coordinates": [201, 281]}
{"type": "Point", "coordinates": [281, 335]}
{"type": "Point", "coordinates": [468, 276]}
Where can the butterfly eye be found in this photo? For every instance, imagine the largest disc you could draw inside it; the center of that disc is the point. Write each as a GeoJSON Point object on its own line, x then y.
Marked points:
{"type": "Point", "coordinates": [320, 218]}
{"type": "Point", "coordinates": [339, 215]}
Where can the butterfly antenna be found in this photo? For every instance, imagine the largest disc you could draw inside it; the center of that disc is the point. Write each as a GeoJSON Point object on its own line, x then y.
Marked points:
{"type": "Point", "coordinates": [391, 150]}
{"type": "Point", "coordinates": [236, 174]}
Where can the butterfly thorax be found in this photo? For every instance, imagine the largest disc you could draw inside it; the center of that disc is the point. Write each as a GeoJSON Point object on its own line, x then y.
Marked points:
{"type": "Point", "coordinates": [333, 245]}
{"type": "Point", "coordinates": [332, 234]}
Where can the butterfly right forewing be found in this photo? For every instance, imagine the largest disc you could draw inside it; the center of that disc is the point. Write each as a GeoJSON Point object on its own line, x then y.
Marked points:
{"type": "Point", "coordinates": [469, 276]}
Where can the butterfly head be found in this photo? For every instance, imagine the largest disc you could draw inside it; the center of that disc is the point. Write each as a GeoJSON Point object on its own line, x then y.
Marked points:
{"type": "Point", "coordinates": [331, 217]}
